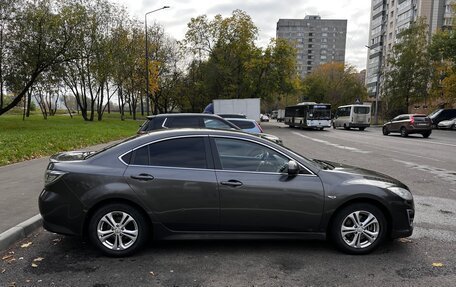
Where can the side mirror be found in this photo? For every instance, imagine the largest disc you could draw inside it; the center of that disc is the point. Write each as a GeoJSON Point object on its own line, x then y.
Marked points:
{"type": "Point", "coordinates": [293, 168]}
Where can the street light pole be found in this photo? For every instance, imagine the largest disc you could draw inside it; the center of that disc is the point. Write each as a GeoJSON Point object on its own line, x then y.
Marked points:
{"type": "Point", "coordinates": [147, 58]}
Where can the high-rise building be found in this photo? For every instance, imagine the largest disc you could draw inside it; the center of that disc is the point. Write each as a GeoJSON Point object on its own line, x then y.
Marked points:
{"type": "Point", "coordinates": [388, 18]}
{"type": "Point", "coordinates": [317, 41]}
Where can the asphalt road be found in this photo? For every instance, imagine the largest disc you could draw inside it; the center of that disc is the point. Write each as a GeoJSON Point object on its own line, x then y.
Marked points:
{"type": "Point", "coordinates": [428, 258]}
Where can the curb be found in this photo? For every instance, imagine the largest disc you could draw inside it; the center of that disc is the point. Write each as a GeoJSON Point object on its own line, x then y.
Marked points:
{"type": "Point", "coordinates": [20, 231]}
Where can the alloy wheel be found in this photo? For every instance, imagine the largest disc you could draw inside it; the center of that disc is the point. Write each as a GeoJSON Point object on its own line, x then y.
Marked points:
{"type": "Point", "coordinates": [360, 229]}
{"type": "Point", "coordinates": [117, 230]}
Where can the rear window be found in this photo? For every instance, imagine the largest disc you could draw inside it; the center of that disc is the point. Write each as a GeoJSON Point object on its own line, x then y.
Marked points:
{"type": "Point", "coordinates": [361, 110]}
{"type": "Point", "coordinates": [244, 124]}
{"type": "Point", "coordinates": [420, 118]}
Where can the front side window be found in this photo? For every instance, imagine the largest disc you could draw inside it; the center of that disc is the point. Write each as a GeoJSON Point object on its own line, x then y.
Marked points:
{"type": "Point", "coordinates": [240, 155]}
{"type": "Point", "coordinates": [181, 152]}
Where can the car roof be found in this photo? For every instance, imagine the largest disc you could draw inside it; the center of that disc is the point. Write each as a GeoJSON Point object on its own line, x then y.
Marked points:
{"type": "Point", "coordinates": [183, 115]}
{"type": "Point", "coordinates": [241, 119]}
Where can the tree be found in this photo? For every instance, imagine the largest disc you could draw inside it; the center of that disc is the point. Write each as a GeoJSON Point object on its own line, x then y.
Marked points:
{"type": "Point", "coordinates": [408, 72]}
{"type": "Point", "coordinates": [442, 51]}
{"type": "Point", "coordinates": [334, 83]}
{"type": "Point", "coordinates": [39, 38]}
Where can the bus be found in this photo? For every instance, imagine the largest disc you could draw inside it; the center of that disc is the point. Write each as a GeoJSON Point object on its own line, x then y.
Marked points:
{"type": "Point", "coordinates": [352, 116]}
{"type": "Point", "coordinates": [308, 115]}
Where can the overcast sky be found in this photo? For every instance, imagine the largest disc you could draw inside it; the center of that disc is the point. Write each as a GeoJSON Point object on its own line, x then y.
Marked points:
{"type": "Point", "coordinates": [265, 14]}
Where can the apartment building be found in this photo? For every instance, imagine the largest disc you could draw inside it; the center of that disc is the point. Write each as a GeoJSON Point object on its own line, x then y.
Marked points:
{"type": "Point", "coordinates": [387, 19]}
{"type": "Point", "coordinates": [317, 41]}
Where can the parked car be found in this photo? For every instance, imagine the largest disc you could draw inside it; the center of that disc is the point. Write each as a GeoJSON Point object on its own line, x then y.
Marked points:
{"type": "Point", "coordinates": [185, 120]}
{"type": "Point", "coordinates": [352, 116]}
{"type": "Point", "coordinates": [251, 126]}
{"type": "Point", "coordinates": [207, 183]}
{"type": "Point", "coordinates": [441, 115]}
{"type": "Point", "coordinates": [409, 124]}
{"type": "Point", "coordinates": [264, 118]}
{"type": "Point", "coordinates": [448, 124]}
{"type": "Point", "coordinates": [236, 116]}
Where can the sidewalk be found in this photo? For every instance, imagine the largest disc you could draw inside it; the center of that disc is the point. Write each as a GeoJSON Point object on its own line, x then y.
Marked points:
{"type": "Point", "coordinates": [20, 186]}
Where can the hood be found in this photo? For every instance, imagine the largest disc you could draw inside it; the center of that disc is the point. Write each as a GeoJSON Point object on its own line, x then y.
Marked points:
{"type": "Point", "coordinates": [360, 175]}
{"type": "Point", "coordinates": [70, 155]}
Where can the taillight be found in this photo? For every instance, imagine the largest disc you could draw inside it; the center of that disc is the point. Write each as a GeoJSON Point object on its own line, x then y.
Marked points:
{"type": "Point", "coordinates": [259, 127]}
{"type": "Point", "coordinates": [412, 120]}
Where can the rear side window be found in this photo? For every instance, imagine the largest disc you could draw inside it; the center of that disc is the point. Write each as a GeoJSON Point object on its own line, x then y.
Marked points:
{"type": "Point", "coordinates": [361, 110]}
{"type": "Point", "coordinates": [183, 122]}
{"type": "Point", "coordinates": [216, 124]}
{"type": "Point", "coordinates": [243, 124]}
{"type": "Point", "coordinates": [181, 152]}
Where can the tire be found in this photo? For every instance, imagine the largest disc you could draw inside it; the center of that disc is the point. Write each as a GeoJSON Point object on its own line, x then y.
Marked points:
{"type": "Point", "coordinates": [453, 127]}
{"type": "Point", "coordinates": [334, 125]}
{"type": "Point", "coordinates": [403, 132]}
{"type": "Point", "coordinates": [362, 129]}
{"type": "Point", "coordinates": [385, 131]}
{"type": "Point", "coordinates": [351, 237]}
{"type": "Point", "coordinates": [345, 127]}
{"type": "Point", "coordinates": [108, 218]}
{"type": "Point", "coordinates": [426, 134]}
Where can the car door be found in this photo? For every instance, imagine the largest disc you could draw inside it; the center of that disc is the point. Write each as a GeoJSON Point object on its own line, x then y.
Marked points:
{"type": "Point", "coordinates": [395, 124]}
{"type": "Point", "coordinates": [256, 192]}
{"type": "Point", "coordinates": [176, 180]}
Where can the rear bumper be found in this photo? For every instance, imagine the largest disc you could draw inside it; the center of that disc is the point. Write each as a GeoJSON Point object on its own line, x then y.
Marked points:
{"type": "Point", "coordinates": [357, 125]}
{"type": "Point", "coordinates": [61, 214]}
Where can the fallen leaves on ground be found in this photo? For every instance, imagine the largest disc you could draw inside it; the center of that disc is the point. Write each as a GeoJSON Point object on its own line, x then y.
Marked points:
{"type": "Point", "coordinates": [38, 259]}
{"type": "Point", "coordinates": [152, 273]}
{"type": "Point", "coordinates": [437, 264]}
{"type": "Point", "coordinates": [405, 240]}
{"type": "Point", "coordinates": [26, 245]}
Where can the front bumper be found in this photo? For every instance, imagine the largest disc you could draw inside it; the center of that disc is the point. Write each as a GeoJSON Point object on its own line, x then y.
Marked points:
{"type": "Point", "coordinates": [402, 217]}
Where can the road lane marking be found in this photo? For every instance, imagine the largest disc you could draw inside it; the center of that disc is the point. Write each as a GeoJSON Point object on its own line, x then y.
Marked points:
{"type": "Point", "coordinates": [447, 175]}
{"type": "Point", "coordinates": [352, 149]}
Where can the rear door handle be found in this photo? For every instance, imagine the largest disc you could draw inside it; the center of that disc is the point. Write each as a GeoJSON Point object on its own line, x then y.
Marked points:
{"type": "Point", "coordinates": [232, 183]}
{"type": "Point", "coordinates": [142, 176]}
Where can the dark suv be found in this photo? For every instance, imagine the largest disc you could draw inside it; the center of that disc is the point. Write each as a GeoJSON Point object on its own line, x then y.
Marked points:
{"type": "Point", "coordinates": [185, 120]}
{"type": "Point", "coordinates": [409, 124]}
{"type": "Point", "coordinates": [441, 115]}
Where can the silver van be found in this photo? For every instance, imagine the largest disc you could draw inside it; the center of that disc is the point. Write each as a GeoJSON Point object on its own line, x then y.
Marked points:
{"type": "Point", "coordinates": [352, 116]}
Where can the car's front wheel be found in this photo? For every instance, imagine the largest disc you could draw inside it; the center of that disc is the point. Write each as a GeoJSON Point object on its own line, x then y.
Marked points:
{"type": "Point", "coordinates": [118, 229]}
{"type": "Point", "coordinates": [426, 134]}
{"type": "Point", "coordinates": [404, 132]}
{"type": "Point", "coordinates": [385, 131]}
{"type": "Point", "coordinates": [359, 228]}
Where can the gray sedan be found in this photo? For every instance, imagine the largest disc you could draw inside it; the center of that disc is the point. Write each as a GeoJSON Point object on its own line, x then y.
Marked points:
{"type": "Point", "coordinates": [197, 183]}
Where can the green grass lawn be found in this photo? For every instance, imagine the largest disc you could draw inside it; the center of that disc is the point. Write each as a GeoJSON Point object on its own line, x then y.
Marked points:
{"type": "Point", "coordinates": [35, 137]}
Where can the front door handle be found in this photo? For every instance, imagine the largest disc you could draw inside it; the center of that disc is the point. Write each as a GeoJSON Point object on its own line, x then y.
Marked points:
{"type": "Point", "coordinates": [232, 182]}
{"type": "Point", "coordinates": [142, 176]}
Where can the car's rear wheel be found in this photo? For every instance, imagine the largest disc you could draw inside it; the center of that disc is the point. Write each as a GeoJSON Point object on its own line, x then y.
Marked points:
{"type": "Point", "coordinates": [118, 229]}
{"type": "Point", "coordinates": [385, 131]}
{"type": "Point", "coordinates": [334, 125]}
{"type": "Point", "coordinates": [362, 129]}
{"type": "Point", "coordinates": [359, 228]}
{"type": "Point", "coordinates": [345, 127]}
{"type": "Point", "coordinates": [426, 134]}
{"type": "Point", "coordinates": [403, 132]}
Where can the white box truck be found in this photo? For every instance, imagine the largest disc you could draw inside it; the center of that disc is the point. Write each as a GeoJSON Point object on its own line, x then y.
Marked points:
{"type": "Point", "coordinates": [280, 115]}
{"type": "Point", "coordinates": [248, 107]}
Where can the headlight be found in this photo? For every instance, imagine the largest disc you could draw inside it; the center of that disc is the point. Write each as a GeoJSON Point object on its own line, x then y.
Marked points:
{"type": "Point", "coordinates": [401, 192]}
{"type": "Point", "coordinates": [52, 175]}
